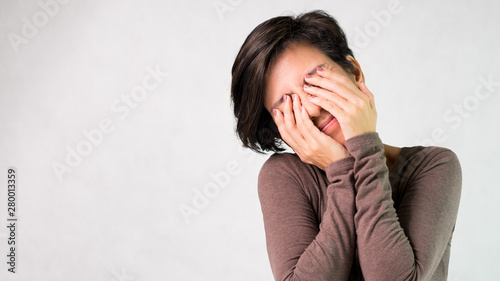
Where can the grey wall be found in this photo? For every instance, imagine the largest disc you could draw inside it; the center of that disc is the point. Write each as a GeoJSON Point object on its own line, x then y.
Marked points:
{"type": "Point", "coordinates": [116, 116]}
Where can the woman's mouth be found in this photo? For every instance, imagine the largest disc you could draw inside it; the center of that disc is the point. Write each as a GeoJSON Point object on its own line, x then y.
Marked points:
{"type": "Point", "coordinates": [328, 124]}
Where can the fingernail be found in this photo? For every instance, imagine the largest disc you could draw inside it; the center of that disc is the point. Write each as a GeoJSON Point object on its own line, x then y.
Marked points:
{"type": "Point", "coordinates": [308, 76]}
{"type": "Point", "coordinates": [319, 68]}
{"type": "Point", "coordinates": [275, 111]}
{"type": "Point", "coordinates": [306, 85]}
{"type": "Point", "coordinates": [293, 97]}
{"type": "Point", "coordinates": [311, 97]}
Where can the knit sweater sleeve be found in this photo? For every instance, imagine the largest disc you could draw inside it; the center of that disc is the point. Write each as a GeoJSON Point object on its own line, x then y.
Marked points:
{"type": "Point", "coordinates": [428, 211]}
{"type": "Point", "coordinates": [298, 248]}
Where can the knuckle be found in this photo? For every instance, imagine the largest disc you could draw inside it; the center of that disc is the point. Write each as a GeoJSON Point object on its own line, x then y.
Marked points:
{"type": "Point", "coordinates": [361, 103]}
{"type": "Point", "coordinates": [329, 67]}
{"type": "Point", "coordinates": [343, 79]}
{"type": "Point", "coordinates": [314, 147]}
{"type": "Point", "coordinates": [351, 111]}
{"type": "Point", "coordinates": [357, 104]}
{"type": "Point", "coordinates": [336, 82]}
{"type": "Point", "coordinates": [327, 74]}
{"type": "Point", "coordinates": [299, 123]}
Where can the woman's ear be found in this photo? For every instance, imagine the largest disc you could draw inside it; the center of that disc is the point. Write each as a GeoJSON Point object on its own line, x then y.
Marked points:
{"type": "Point", "coordinates": [356, 72]}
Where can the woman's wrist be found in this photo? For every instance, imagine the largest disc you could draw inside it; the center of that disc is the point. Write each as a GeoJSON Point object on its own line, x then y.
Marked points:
{"type": "Point", "coordinates": [339, 167]}
{"type": "Point", "coordinates": [359, 146]}
{"type": "Point", "coordinates": [339, 156]}
{"type": "Point", "coordinates": [335, 156]}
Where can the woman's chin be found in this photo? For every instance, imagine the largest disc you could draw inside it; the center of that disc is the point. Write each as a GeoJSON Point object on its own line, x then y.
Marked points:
{"type": "Point", "coordinates": [338, 136]}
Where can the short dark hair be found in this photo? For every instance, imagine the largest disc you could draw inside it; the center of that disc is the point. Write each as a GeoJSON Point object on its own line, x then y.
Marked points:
{"type": "Point", "coordinates": [254, 124]}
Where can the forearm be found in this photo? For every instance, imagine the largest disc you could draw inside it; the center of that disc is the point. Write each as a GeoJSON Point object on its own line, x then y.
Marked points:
{"type": "Point", "coordinates": [386, 252]}
{"type": "Point", "coordinates": [330, 255]}
{"type": "Point", "coordinates": [298, 249]}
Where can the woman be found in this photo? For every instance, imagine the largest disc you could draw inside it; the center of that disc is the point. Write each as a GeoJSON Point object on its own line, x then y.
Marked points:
{"type": "Point", "coordinates": [344, 206]}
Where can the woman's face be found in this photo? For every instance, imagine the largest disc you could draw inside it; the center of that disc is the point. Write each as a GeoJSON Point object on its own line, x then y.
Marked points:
{"type": "Point", "coordinates": [286, 76]}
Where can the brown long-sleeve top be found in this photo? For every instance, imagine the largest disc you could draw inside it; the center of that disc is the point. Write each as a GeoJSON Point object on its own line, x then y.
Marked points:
{"type": "Point", "coordinates": [358, 221]}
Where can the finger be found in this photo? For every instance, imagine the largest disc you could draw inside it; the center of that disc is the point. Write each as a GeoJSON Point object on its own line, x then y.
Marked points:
{"type": "Point", "coordinates": [364, 90]}
{"type": "Point", "coordinates": [287, 111]}
{"type": "Point", "coordinates": [290, 124]}
{"type": "Point", "coordinates": [300, 116]}
{"type": "Point", "coordinates": [335, 75]}
{"type": "Point", "coordinates": [347, 90]}
{"type": "Point", "coordinates": [331, 107]}
{"type": "Point", "coordinates": [313, 133]}
{"type": "Point", "coordinates": [299, 119]}
{"type": "Point", "coordinates": [279, 120]}
{"type": "Point", "coordinates": [326, 95]}
{"type": "Point", "coordinates": [338, 83]}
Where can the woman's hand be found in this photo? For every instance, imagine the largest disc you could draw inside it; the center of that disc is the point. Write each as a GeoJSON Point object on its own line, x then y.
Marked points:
{"type": "Point", "coordinates": [298, 131]}
{"type": "Point", "coordinates": [353, 107]}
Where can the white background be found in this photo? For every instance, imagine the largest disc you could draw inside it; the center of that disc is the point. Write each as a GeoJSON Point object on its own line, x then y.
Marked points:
{"type": "Point", "coordinates": [116, 215]}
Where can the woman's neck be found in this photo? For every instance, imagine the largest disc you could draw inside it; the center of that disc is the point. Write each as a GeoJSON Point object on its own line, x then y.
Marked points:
{"type": "Point", "coordinates": [391, 154]}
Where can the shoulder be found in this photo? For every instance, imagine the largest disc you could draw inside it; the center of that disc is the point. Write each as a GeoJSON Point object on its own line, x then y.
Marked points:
{"type": "Point", "coordinates": [281, 167]}
{"type": "Point", "coordinates": [429, 156]}
{"type": "Point", "coordinates": [285, 171]}
{"type": "Point", "coordinates": [429, 163]}
{"type": "Point", "coordinates": [281, 163]}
